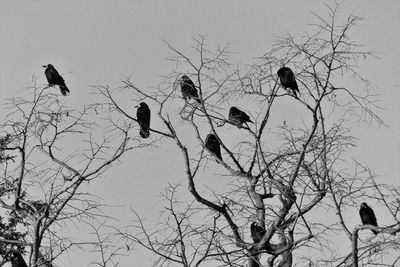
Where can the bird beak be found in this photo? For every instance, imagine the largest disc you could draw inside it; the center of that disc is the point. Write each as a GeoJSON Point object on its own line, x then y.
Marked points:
{"type": "Point", "coordinates": [44, 66]}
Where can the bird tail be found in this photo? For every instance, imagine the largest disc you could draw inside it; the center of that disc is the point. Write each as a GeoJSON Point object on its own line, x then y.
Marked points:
{"type": "Point", "coordinates": [64, 90]}
{"type": "Point", "coordinates": [295, 89]}
{"type": "Point", "coordinates": [144, 132]}
{"type": "Point", "coordinates": [247, 126]}
{"type": "Point", "coordinates": [198, 100]}
{"type": "Point", "coordinates": [294, 92]}
{"type": "Point", "coordinates": [375, 232]}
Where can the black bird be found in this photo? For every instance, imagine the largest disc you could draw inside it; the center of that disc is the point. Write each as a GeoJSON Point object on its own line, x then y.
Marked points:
{"type": "Point", "coordinates": [257, 232]}
{"type": "Point", "coordinates": [368, 216]}
{"type": "Point", "coordinates": [17, 260]}
{"type": "Point", "coordinates": [212, 145]}
{"type": "Point", "coordinates": [188, 89]}
{"type": "Point", "coordinates": [53, 78]}
{"type": "Point", "coordinates": [288, 80]}
{"type": "Point", "coordinates": [238, 117]}
{"type": "Point", "coordinates": [143, 118]}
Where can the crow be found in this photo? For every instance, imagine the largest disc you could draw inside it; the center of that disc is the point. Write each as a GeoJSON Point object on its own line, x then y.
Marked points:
{"type": "Point", "coordinates": [17, 260]}
{"type": "Point", "coordinates": [212, 145]}
{"type": "Point", "coordinates": [288, 80]}
{"type": "Point", "coordinates": [238, 117]}
{"type": "Point", "coordinates": [368, 216]}
{"type": "Point", "coordinates": [53, 78]}
{"type": "Point", "coordinates": [257, 232]}
{"type": "Point", "coordinates": [143, 118]}
{"type": "Point", "coordinates": [188, 89]}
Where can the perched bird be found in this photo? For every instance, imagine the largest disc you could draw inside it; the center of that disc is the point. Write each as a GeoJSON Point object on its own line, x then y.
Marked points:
{"type": "Point", "coordinates": [257, 232]}
{"type": "Point", "coordinates": [143, 118]}
{"type": "Point", "coordinates": [212, 145]}
{"type": "Point", "coordinates": [188, 89]}
{"type": "Point", "coordinates": [17, 260]}
{"type": "Point", "coordinates": [288, 80]}
{"type": "Point", "coordinates": [53, 78]}
{"type": "Point", "coordinates": [368, 216]}
{"type": "Point", "coordinates": [238, 117]}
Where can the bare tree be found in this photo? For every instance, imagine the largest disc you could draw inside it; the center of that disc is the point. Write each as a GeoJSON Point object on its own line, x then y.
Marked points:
{"type": "Point", "coordinates": [281, 174]}
{"type": "Point", "coordinates": [49, 153]}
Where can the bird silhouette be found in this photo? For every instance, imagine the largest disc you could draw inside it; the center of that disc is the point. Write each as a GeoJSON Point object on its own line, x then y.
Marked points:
{"type": "Point", "coordinates": [238, 117]}
{"type": "Point", "coordinates": [53, 78]}
{"type": "Point", "coordinates": [257, 232]}
{"type": "Point", "coordinates": [188, 89]}
{"type": "Point", "coordinates": [143, 118]}
{"type": "Point", "coordinates": [212, 145]}
{"type": "Point", "coordinates": [368, 216]}
{"type": "Point", "coordinates": [288, 80]}
{"type": "Point", "coordinates": [17, 260]}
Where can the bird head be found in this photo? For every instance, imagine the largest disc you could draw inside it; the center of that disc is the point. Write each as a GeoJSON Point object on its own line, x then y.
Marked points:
{"type": "Point", "coordinates": [211, 138]}
{"type": "Point", "coordinates": [184, 79]}
{"type": "Point", "coordinates": [364, 205]}
{"type": "Point", "coordinates": [141, 104]}
{"type": "Point", "coordinates": [281, 71]}
{"type": "Point", "coordinates": [48, 66]}
{"type": "Point", "coordinates": [253, 224]}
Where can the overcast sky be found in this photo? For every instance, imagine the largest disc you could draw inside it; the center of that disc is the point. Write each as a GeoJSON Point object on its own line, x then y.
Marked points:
{"type": "Point", "coordinates": [99, 42]}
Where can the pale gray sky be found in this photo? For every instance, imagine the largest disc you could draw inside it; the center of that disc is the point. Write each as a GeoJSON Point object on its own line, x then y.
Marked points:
{"type": "Point", "coordinates": [97, 42]}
